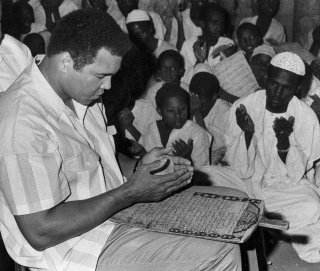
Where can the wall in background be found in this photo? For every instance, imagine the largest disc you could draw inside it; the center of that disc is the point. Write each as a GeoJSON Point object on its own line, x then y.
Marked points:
{"type": "Point", "coordinates": [298, 16]}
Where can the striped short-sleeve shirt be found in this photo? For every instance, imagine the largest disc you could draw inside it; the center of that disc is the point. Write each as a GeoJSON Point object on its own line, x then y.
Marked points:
{"type": "Point", "coordinates": [48, 155]}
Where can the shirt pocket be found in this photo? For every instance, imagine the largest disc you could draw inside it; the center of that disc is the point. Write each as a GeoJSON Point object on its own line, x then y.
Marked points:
{"type": "Point", "coordinates": [82, 164]}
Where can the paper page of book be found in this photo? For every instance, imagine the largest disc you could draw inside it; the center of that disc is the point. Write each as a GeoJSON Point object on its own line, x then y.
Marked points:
{"type": "Point", "coordinates": [200, 213]}
{"type": "Point", "coordinates": [297, 49]}
{"type": "Point", "coordinates": [235, 75]}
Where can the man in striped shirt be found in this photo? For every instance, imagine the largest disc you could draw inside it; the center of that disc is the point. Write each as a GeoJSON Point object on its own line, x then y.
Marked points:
{"type": "Point", "coordinates": [59, 179]}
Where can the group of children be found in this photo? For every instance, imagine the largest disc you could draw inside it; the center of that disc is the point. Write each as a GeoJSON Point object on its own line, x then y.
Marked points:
{"type": "Point", "coordinates": [165, 92]}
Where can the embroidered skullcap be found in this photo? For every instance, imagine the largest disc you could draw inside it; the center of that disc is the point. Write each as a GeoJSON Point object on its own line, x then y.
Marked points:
{"type": "Point", "coordinates": [137, 15]}
{"type": "Point", "coordinates": [264, 49]}
{"type": "Point", "coordinates": [290, 62]}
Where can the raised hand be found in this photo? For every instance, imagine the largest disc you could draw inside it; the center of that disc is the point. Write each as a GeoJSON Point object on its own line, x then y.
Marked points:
{"type": "Point", "coordinates": [200, 50]}
{"type": "Point", "coordinates": [244, 120]}
{"type": "Point", "coordinates": [183, 149]}
{"type": "Point", "coordinates": [283, 129]}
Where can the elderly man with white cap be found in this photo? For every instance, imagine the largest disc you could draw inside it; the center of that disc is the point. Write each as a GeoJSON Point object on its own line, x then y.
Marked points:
{"type": "Point", "coordinates": [273, 145]}
{"type": "Point", "coordinates": [141, 31]}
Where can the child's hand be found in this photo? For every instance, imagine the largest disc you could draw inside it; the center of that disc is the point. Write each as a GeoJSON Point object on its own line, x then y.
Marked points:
{"type": "Point", "coordinates": [200, 50]}
{"type": "Point", "coordinates": [217, 155]}
{"type": "Point", "coordinates": [183, 149]}
{"type": "Point", "coordinates": [195, 104]}
{"type": "Point", "coordinates": [315, 104]}
{"type": "Point", "coordinates": [126, 118]}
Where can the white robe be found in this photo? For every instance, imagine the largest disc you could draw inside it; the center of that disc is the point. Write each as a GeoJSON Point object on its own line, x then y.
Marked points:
{"type": "Point", "coordinates": [191, 130]}
{"type": "Point", "coordinates": [216, 122]}
{"type": "Point", "coordinates": [285, 187]}
{"type": "Point", "coordinates": [276, 30]}
{"type": "Point", "coordinates": [189, 28]}
{"type": "Point", "coordinates": [144, 114]}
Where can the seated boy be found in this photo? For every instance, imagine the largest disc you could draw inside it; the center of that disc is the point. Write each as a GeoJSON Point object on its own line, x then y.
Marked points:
{"type": "Point", "coordinates": [209, 111]}
{"type": "Point", "coordinates": [127, 6]}
{"type": "Point", "coordinates": [174, 129]}
{"type": "Point", "coordinates": [170, 69]}
{"type": "Point", "coordinates": [272, 31]}
{"type": "Point", "coordinates": [259, 63]}
{"type": "Point", "coordinates": [214, 21]}
{"type": "Point", "coordinates": [249, 37]}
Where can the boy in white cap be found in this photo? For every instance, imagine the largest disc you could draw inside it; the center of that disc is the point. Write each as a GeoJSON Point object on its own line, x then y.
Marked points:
{"type": "Point", "coordinates": [141, 31]}
{"type": "Point", "coordinates": [260, 61]}
{"type": "Point", "coordinates": [126, 6]}
{"type": "Point", "coordinates": [273, 146]}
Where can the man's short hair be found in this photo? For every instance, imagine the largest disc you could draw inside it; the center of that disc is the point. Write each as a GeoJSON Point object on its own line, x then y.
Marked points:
{"type": "Point", "coordinates": [83, 33]}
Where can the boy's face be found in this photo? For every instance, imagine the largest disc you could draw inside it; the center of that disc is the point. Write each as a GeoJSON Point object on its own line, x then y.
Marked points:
{"type": "Point", "coordinates": [140, 33]}
{"type": "Point", "coordinates": [207, 100]}
{"type": "Point", "coordinates": [248, 41]}
{"type": "Point", "coordinates": [174, 112]}
{"type": "Point", "coordinates": [259, 65]}
{"type": "Point", "coordinates": [170, 71]}
{"type": "Point", "coordinates": [214, 25]}
{"type": "Point", "coordinates": [99, 4]}
{"type": "Point", "coordinates": [126, 6]}
{"type": "Point", "coordinates": [268, 8]}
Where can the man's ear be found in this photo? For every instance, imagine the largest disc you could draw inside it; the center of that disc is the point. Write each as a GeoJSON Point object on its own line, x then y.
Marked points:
{"type": "Point", "coordinates": [66, 62]}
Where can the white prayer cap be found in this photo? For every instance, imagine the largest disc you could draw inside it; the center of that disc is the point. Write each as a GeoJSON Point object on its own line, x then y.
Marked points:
{"type": "Point", "coordinates": [137, 15]}
{"type": "Point", "coordinates": [264, 49]}
{"type": "Point", "coordinates": [290, 62]}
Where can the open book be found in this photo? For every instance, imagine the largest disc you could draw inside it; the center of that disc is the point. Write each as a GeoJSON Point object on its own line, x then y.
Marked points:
{"type": "Point", "coordinates": [197, 213]}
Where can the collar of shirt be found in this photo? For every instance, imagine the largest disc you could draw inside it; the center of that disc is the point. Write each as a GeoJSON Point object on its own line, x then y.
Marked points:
{"type": "Point", "coordinates": [46, 93]}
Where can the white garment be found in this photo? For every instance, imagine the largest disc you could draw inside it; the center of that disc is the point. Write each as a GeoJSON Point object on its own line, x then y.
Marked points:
{"type": "Point", "coordinates": [285, 187]}
{"type": "Point", "coordinates": [190, 130]}
{"type": "Point", "coordinates": [276, 30]}
{"type": "Point", "coordinates": [216, 122]}
{"type": "Point", "coordinates": [160, 29]}
{"type": "Point", "coordinates": [144, 114]}
{"type": "Point", "coordinates": [163, 46]}
{"type": "Point", "coordinates": [190, 58]}
{"type": "Point", "coordinates": [189, 28]}
{"type": "Point", "coordinates": [66, 7]}
{"type": "Point", "coordinates": [314, 90]}
{"type": "Point", "coordinates": [310, 41]}
{"type": "Point", "coordinates": [14, 58]}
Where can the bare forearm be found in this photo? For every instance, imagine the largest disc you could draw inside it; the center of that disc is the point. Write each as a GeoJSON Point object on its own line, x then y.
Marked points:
{"type": "Point", "coordinates": [181, 36]}
{"type": "Point", "coordinates": [71, 219]}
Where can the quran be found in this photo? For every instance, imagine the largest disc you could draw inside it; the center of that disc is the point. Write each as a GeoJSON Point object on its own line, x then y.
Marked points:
{"type": "Point", "coordinates": [235, 75]}
{"type": "Point", "coordinates": [196, 213]}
